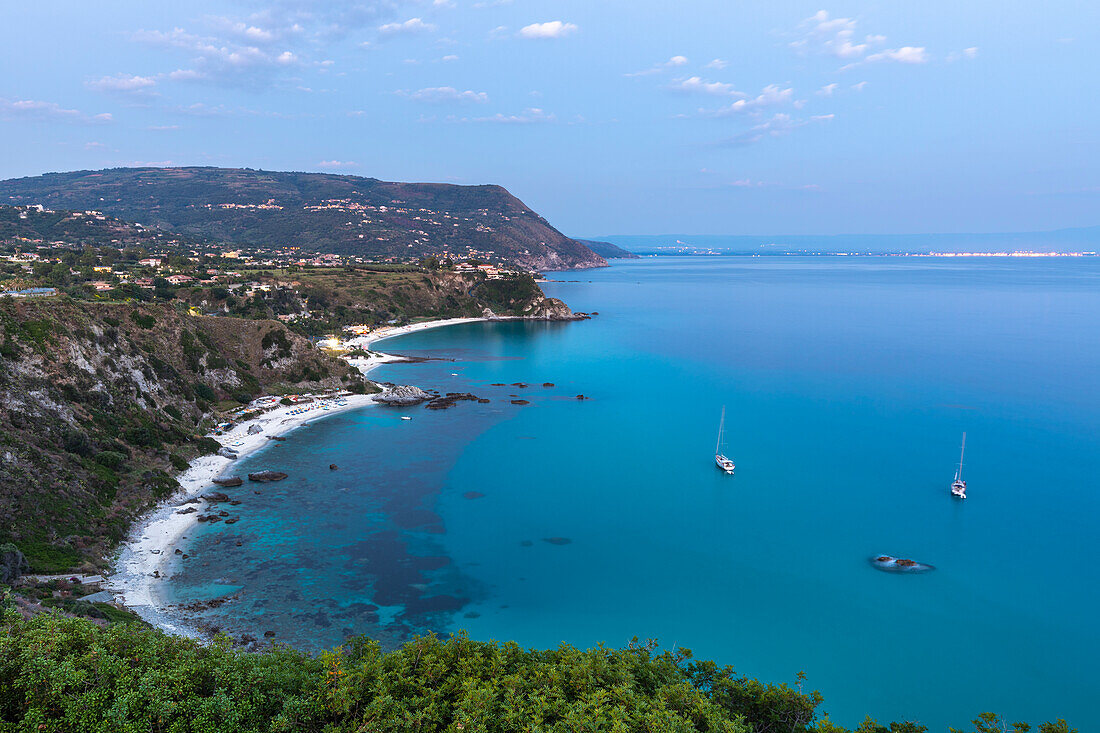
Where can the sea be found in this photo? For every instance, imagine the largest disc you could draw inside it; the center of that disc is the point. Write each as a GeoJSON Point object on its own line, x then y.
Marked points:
{"type": "Point", "coordinates": [847, 385]}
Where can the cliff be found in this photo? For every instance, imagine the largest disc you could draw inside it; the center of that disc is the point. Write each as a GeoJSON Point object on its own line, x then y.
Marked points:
{"type": "Point", "coordinates": [101, 403]}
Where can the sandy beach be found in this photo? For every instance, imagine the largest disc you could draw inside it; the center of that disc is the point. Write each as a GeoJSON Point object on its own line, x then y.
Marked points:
{"type": "Point", "coordinates": [143, 558]}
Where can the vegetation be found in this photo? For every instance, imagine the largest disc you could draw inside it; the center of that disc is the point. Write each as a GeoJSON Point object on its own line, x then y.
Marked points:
{"type": "Point", "coordinates": [64, 674]}
{"type": "Point", "coordinates": [320, 212]}
{"type": "Point", "coordinates": [101, 403]}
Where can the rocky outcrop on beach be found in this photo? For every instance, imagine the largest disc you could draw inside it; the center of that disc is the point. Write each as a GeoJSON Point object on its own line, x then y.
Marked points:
{"type": "Point", "coordinates": [255, 429]}
{"type": "Point", "coordinates": [403, 395]}
{"type": "Point", "coordinates": [227, 453]}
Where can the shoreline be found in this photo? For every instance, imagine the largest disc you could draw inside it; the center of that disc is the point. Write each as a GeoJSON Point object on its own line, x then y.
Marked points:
{"type": "Point", "coordinates": [139, 568]}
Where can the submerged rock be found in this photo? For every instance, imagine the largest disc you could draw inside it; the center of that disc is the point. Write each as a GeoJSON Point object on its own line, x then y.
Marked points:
{"type": "Point", "coordinates": [520, 402]}
{"type": "Point", "coordinates": [231, 481]}
{"type": "Point", "coordinates": [890, 564]}
{"type": "Point", "coordinates": [473, 495]}
{"type": "Point", "coordinates": [213, 496]}
{"type": "Point", "coordinates": [557, 540]}
{"type": "Point", "coordinates": [547, 384]}
{"type": "Point", "coordinates": [265, 476]}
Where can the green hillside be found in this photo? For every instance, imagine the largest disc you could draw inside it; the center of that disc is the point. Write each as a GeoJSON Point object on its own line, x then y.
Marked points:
{"type": "Point", "coordinates": [315, 211]}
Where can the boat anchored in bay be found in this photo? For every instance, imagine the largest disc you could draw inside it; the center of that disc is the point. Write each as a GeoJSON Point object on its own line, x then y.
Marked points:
{"type": "Point", "coordinates": [958, 486]}
{"type": "Point", "coordinates": [720, 459]}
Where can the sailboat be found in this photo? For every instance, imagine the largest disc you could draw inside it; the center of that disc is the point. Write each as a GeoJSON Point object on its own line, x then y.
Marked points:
{"type": "Point", "coordinates": [958, 486]}
{"type": "Point", "coordinates": [725, 464]}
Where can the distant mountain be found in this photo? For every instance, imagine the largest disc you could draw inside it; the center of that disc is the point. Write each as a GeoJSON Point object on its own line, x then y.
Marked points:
{"type": "Point", "coordinates": [1085, 239]}
{"type": "Point", "coordinates": [316, 211]}
{"type": "Point", "coordinates": [607, 250]}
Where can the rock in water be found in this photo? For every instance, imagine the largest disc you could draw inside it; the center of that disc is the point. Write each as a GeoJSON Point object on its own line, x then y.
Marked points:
{"type": "Point", "coordinates": [892, 564]}
{"type": "Point", "coordinates": [255, 429]}
{"type": "Point", "coordinates": [265, 476]}
{"type": "Point", "coordinates": [332, 467]}
{"type": "Point", "coordinates": [403, 394]}
{"type": "Point", "coordinates": [12, 564]}
{"type": "Point", "coordinates": [213, 496]}
{"type": "Point", "coordinates": [231, 481]}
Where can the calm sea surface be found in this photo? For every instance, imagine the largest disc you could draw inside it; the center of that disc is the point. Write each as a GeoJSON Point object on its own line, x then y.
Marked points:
{"type": "Point", "coordinates": [847, 383]}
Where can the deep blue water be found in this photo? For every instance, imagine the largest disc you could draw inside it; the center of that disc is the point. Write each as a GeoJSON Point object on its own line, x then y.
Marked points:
{"type": "Point", "coordinates": [847, 383]}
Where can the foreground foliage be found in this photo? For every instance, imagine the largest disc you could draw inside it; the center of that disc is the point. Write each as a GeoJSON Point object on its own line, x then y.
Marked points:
{"type": "Point", "coordinates": [59, 674]}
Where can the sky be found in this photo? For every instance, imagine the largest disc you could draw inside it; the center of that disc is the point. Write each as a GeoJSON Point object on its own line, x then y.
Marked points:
{"type": "Point", "coordinates": [607, 117]}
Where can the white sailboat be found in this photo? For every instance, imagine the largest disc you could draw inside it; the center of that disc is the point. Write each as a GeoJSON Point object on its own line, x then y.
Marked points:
{"type": "Point", "coordinates": [958, 486]}
{"type": "Point", "coordinates": [725, 464]}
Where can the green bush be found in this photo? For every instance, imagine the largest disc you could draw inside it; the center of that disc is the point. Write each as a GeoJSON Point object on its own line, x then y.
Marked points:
{"type": "Point", "coordinates": [61, 674]}
{"type": "Point", "coordinates": [145, 320]}
{"type": "Point", "coordinates": [178, 462]}
{"type": "Point", "coordinates": [110, 459]}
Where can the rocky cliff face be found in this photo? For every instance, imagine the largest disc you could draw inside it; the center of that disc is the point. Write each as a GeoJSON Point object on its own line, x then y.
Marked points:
{"type": "Point", "coordinates": [100, 403]}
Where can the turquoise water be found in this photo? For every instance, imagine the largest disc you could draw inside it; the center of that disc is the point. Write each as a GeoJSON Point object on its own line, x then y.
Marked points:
{"type": "Point", "coordinates": [847, 383]}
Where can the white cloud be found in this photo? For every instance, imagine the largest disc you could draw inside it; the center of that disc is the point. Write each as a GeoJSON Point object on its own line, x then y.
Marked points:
{"type": "Point", "coordinates": [409, 27]}
{"type": "Point", "coordinates": [903, 55]}
{"type": "Point", "coordinates": [337, 164]}
{"type": "Point", "coordinates": [437, 95]}
{"type": "Point", "coordinates": [778, 125]}
{"type": "Point", "coordinates": [677, 61]}
{"type": "Point", "coordinates": [549, 29]}
{"type": "Point", "coordinates": [859, 86]}
{"type": "Point", "coordinates": [124, 83]}
{"type": "Point", "coordinates": [717, 64]}
{"type": "Point", "coordinates": [833, 36]}
{"type": "Point", "coordinates": [966, 53]}
{"type": "Point", "coordinates": [822, 34]}
{"type": "Point", "coordinates": [770, 96]}
{"type": "Point", "coordinates": [449, 57]}
{"type": "Point", "coordinates": [698, 85]}
{"type": "Point", "coordinates": [827, 90]}
{"type": "Point", "coordinates": [33, 109]}
{"type": "Point", "coordinates": [529, 116]}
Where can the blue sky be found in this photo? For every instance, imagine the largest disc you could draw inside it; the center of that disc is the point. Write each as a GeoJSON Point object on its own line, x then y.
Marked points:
{"type": "Point", "coordinates": [638, 117]}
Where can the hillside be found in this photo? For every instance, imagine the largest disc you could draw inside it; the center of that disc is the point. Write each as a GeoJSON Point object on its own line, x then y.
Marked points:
{"type": "Point", "coordinates": [322, 212]}
{"type": "Point", "coordinates": [29, 226]}
{"type": "Point", "coordinates": [101, 403]}
{"type": "Point", "coordinates": [608, 251]}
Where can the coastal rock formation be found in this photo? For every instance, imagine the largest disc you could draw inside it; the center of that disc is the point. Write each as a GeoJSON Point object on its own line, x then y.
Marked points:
{"type": "Point", "coordinates": [265, 476]}
{"type": "Point", "coordinates": [188, 510]}
{"type": "Point", "coordinates": [403, 395]}
{"type": "Point", "coordinates": [12, 564]}
{"type": "Point", "coordinates": [255, 429]}
{"type": "Point", "coordinates": [215, 496]}
{"type": "Point", "coordinates": [442, 403]}
{"type": "Point", "coordinates": [227, 453]}
{"type": "Point", "coordinates": [229, 482]}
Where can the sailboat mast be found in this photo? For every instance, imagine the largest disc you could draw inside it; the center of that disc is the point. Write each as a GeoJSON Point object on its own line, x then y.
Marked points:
{"type": "Point", "coordinates": [962, 452]}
